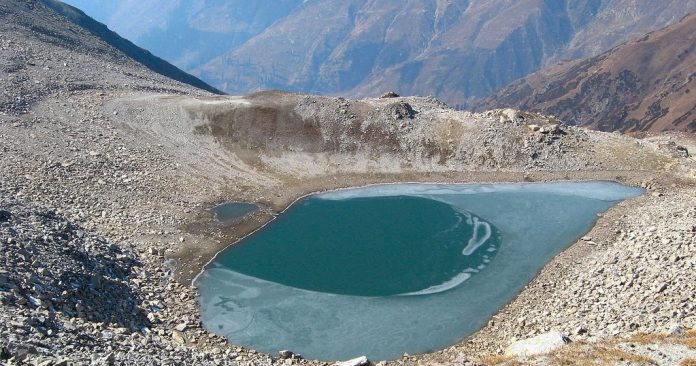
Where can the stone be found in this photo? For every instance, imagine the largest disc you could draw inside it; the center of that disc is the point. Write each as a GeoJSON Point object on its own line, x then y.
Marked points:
{"type": "Point", "coordinates": [5, 216]}
{"type": "Point", "coordinates": [108, 359]}
{"type": "Point", "coordinates": [178, 337]}
{"type": "Point", "coordinates": [23, 353]}
{"type": "Point", "coordinates": [511, 115]}
{"type": "Point", "coordinates": [44, 361]}
{"type": "Point", "coordinates": [360, 361]}
{"type": "Point", "coordinates": [676, 330]}
{"type": "Point", "coordinates": [540, 345]}
{"type": "Point", "coordinates": [4, 353]}
{"type": "Point", "coordinates": [388, 95]}
{"type": "Point", "coordinates": [96, 281]}
{"type": "Point", "coordinates": [534, 127]}
{"type": "Point", "coordinates": [400, 110]}
{"type": "Point", "coordinates": [682, 151]}
{"type": "Point", "coordinates": [285, 354]}
{"type": "Point", "coordinates": [181, 327]}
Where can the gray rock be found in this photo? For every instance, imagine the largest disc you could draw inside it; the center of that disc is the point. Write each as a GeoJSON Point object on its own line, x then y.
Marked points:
{"type": "Point", "coordinates": [4, 353]}
{"type": "Point", "coordinates": [178, 337]}
{"type": "Point", "coordinates": [285, 354]}
{"type": "Point", "coordinates": [682, 151]}
{"type": "Point", "coordinates": [540, 345]}
{"type": "Point", "coordinates": [511, 115]}
{"type": "Point", "coordinates": [676, 330]}
{"type": "Point", "coordinates": [399, 110]}
{"type": "Point", "coordinates": [360, 361]}
{"type": "Point", "coordinates": [5, 216]}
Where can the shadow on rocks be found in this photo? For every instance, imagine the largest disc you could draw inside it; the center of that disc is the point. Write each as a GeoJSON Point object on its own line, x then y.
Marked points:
{"type": "Point", "coordinates": [53, 264]}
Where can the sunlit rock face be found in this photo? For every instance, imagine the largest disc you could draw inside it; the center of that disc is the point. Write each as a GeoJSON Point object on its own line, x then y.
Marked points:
{"type": "Point", "coordinates": [388, 269]}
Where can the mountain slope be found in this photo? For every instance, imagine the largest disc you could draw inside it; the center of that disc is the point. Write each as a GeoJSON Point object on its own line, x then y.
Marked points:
{"type": "Point", "coordinates": [642, 85]}
{"type": "Point", "coordinates": [188, 33]}
{"type": "Point", "coordinates": [453, 49]}
{"type": "Point", "coordinates": [43, 54]}
{"type": "Point", "coordinates": [146, 58]}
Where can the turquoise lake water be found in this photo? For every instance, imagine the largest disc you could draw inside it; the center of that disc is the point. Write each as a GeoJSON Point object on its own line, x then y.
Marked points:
{"type": "Point", "coordinates": [389, 269]}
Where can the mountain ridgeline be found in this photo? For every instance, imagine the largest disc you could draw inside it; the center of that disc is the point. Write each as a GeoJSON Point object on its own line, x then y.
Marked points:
{"type": "Point", "coordinates": [644, 85]}
{"type": "Point", "coordinates": [456, 50]}
{"type": "Point", "coordinates": [138, 54]}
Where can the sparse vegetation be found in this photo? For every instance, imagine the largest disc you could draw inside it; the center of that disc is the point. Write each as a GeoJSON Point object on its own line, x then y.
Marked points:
{"type": "Point", "coordinates": [602, 354]}
{"type": "Point", "coordinates": [495, 360]}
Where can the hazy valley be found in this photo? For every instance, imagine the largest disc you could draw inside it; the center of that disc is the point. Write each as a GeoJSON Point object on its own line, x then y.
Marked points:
{"type": "Point", "coordinates": [454, 50]}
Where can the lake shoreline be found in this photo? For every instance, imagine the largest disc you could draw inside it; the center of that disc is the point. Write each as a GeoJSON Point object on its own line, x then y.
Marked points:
{"type": "Point", "coordinates": [524, 249]}
{"type": "Point", "coordinates": [144, 189]}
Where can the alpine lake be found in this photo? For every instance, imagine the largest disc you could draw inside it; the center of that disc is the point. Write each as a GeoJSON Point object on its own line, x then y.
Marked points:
{"type": "Point", "coordinates": [391, 269]}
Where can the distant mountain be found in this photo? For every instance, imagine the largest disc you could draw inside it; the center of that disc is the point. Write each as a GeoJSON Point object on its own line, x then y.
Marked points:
{"type": "Point", "coordinates": [648, 84]}
{"type": "Point", "coordinates": [188, 33]}
{"type": "Point", "coordinates": [138, 54]}
{"type": "Point", "coordinates": [453, 49]}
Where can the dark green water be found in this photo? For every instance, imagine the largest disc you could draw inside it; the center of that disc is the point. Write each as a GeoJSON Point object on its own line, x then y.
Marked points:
{"type": "Point", "coordinates": [375, 246]}
{"type": "Point", "coordinates": [384, 270]}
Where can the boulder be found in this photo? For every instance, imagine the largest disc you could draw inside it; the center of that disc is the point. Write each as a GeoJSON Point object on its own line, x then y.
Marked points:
{"type": "Point", "coordinates": [178, 337]}
{"type": "Point", "coordinates": [4, 353]}
{"type": "Point", "coordinates": [682, 151]}
{"type": "Point", "coordinates": [540, 345]}
{"type": "Point", "coordinates": [390, 94]}
{"type": "Point", "coordinates": [511, 115]}
{"type": "Point", "coordinates": [676, 330]}
{"type": "Point", "coordinates": [360, 361]}
{"type": "Point", "coordinates": [5, 216]}
{"type": "Point", "coordinates": [400, 110]}
{"type": "Point", "coordinates": [285, 354]}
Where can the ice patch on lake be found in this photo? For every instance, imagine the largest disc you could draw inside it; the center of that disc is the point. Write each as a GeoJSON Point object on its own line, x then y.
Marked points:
{"type": "Point", "coordinates": [535, 221]}
{"type": "Point", "coordinates": [600, 190]}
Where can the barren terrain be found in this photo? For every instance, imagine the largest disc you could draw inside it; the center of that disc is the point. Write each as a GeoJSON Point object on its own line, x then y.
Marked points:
{"type": "Point", "coordinates": [108, 170]}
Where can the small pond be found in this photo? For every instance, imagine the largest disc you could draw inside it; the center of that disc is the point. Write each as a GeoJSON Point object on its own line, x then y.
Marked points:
{"type": "Point", "coordinates": [388, 269]}
{"type": "Point", "coordinates": [232, 211]}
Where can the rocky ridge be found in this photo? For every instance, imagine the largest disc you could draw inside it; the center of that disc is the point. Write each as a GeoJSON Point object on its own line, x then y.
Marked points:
{"type": "Point", "coordinates": [454, 49]}
{"type": "Point", "coordinates": [642, 85]}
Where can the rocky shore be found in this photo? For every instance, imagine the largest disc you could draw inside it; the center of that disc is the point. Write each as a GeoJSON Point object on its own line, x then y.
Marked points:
{"type": "Point", "coordinates": [108, 171]}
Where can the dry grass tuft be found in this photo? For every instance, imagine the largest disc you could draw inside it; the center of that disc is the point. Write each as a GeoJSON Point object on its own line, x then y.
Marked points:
{"type": "Point", "coordinates": [615, 354]}
{"type": "Point", "coordinates": [688, 362]}
{"type": "Point", "coordinates": [597, 355]}
{"type": "Point", "coordinates": [648, 338]}
{"type": "Point", "coordinates": [689, 342]}
{"type": "Point", "coordinates": [495, 360]}
{"type": "Point", "coordinates": [688, 339]}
